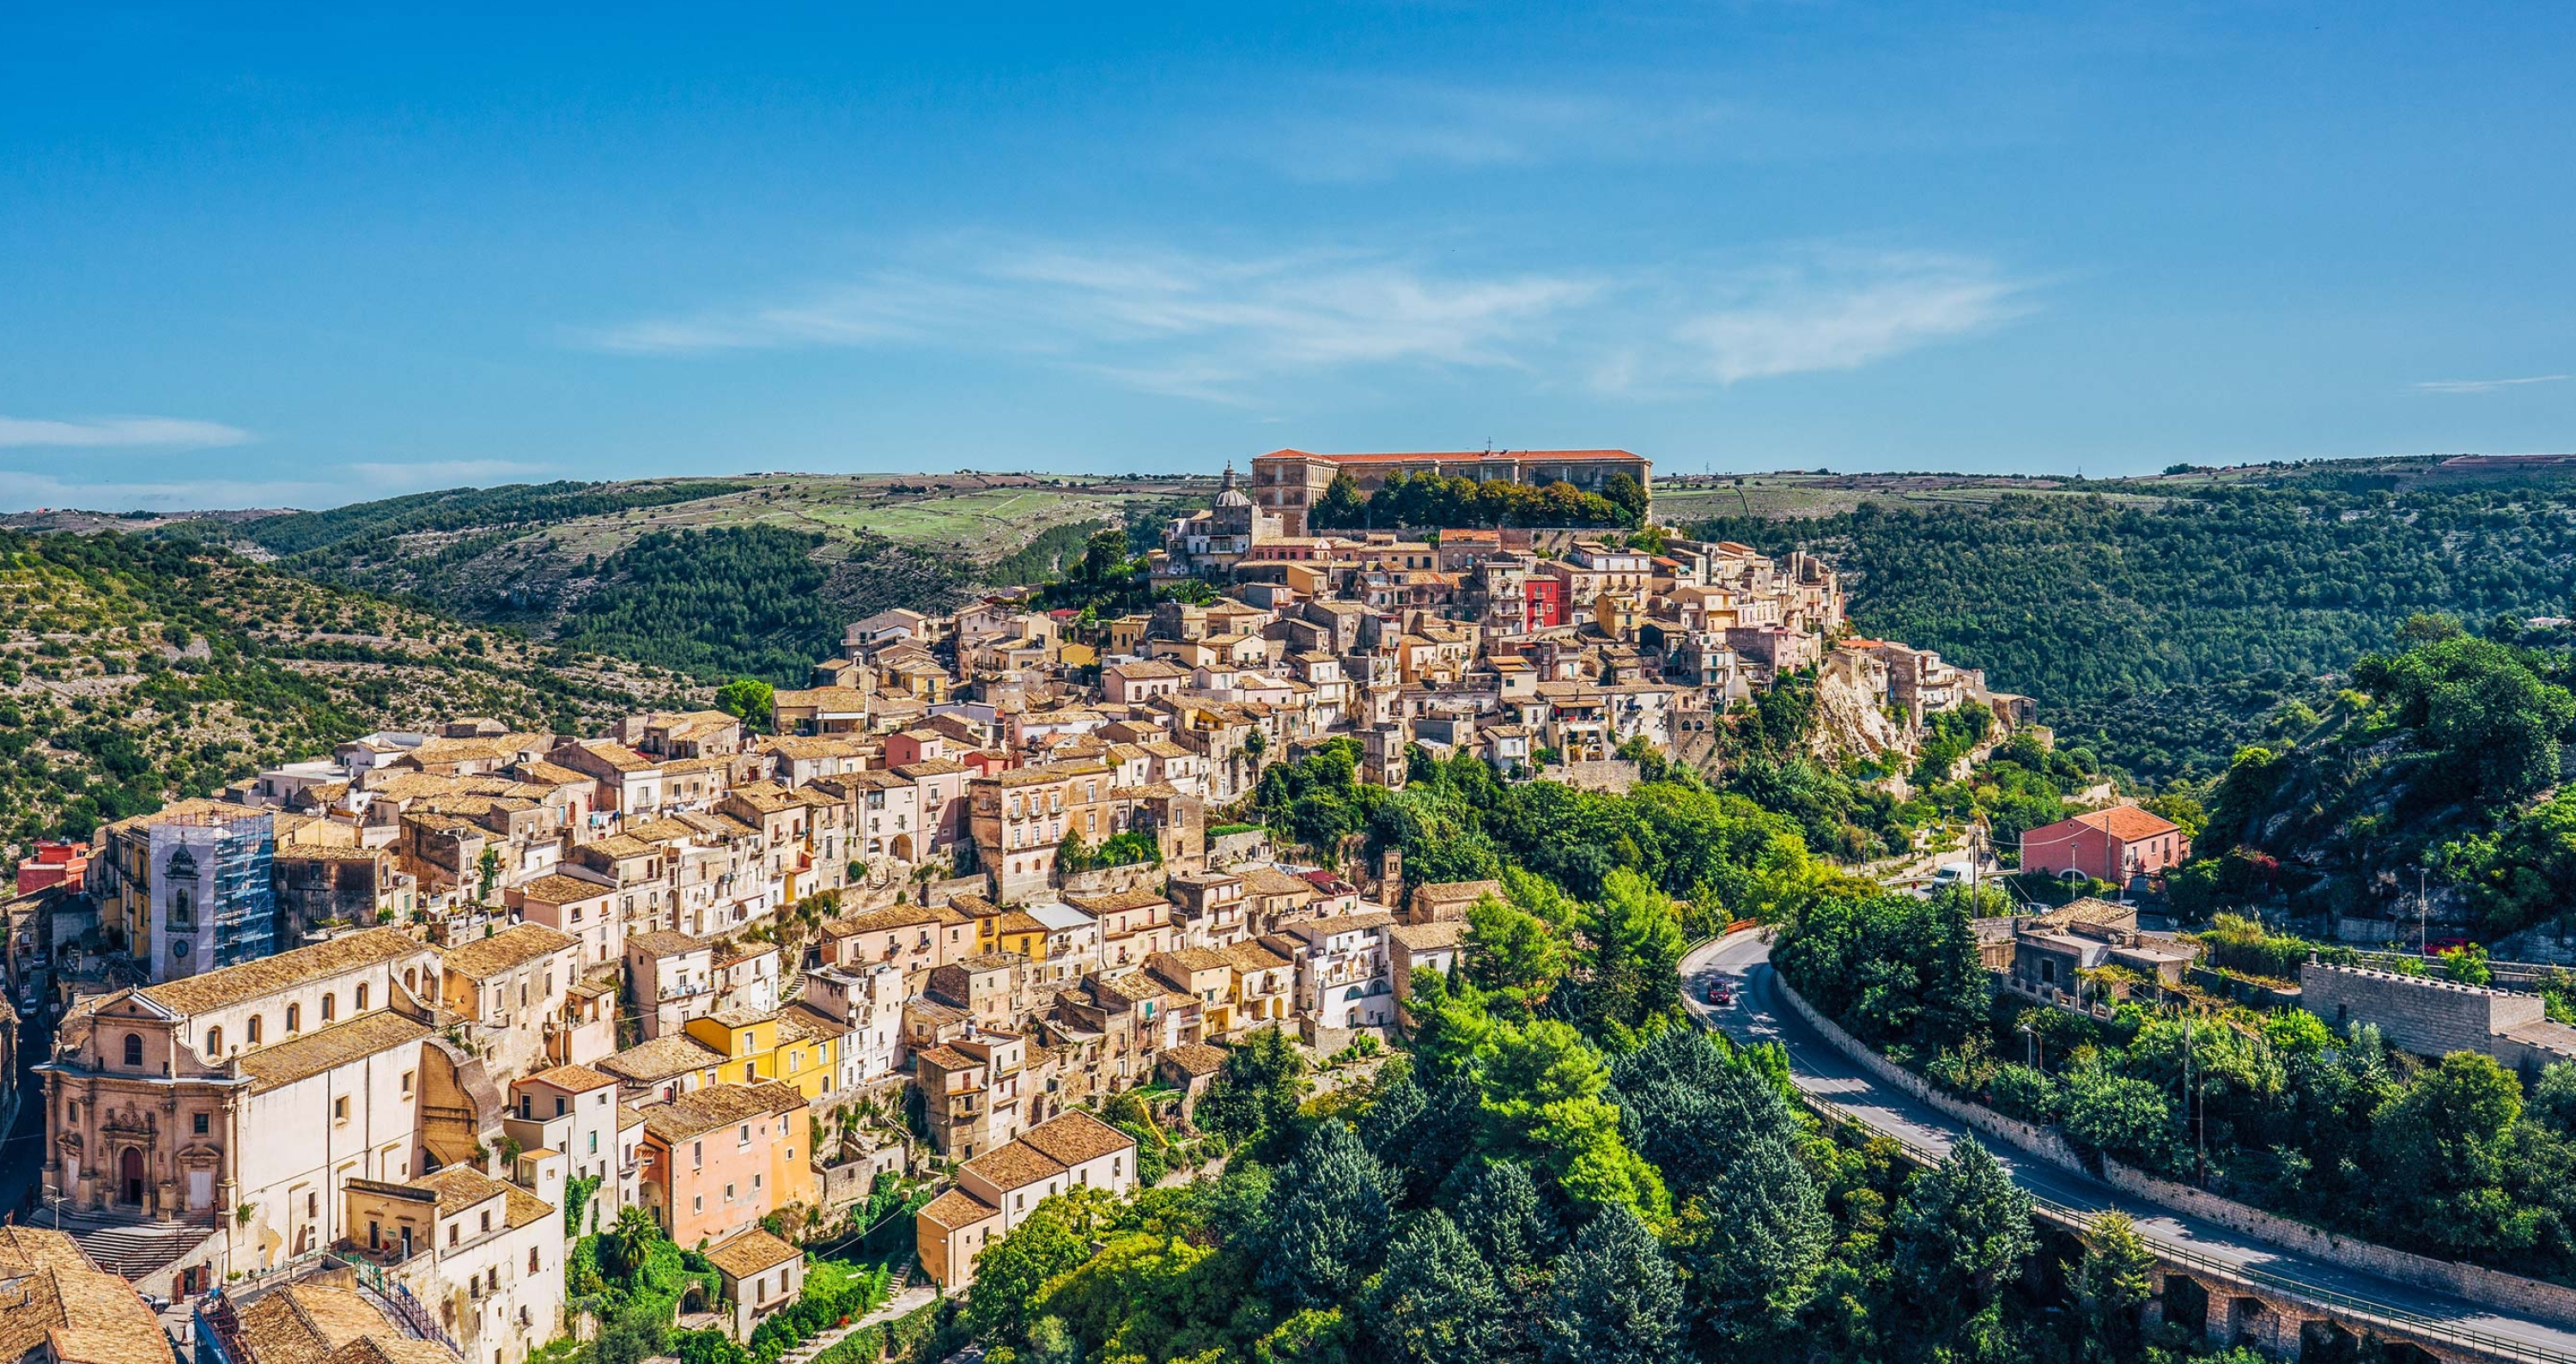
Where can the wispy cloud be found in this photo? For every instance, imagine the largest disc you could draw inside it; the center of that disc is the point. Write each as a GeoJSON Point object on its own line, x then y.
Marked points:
{"type": "Point", "coordinates": [1841, 310]}
{"type": "Point", "coordinates": [117, 432]}
{"type": "Point", "coordinates": [2483, 385]}
{"type": "Point", "coordinates": [1164, 321]}
{"type": "Point", "coordinates": [1217, 328]}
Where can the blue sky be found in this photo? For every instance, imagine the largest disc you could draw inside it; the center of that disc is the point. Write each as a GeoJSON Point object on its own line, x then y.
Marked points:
{"type": "Point", "coordinates": [301, 257]}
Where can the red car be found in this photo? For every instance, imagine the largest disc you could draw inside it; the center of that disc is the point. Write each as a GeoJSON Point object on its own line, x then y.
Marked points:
{"type": "Point", "coordinates": [1720, 993]}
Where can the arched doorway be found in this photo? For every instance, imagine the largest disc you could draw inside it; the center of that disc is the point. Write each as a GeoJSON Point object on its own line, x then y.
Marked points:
{"type": "Point", "coordinates": [129, 1175]}
{"type": "Point", "coordinates": [903, 847]}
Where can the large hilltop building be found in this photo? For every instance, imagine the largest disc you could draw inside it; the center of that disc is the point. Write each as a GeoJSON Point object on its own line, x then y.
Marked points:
{"type": "Point", "coordinates": [1288, 483]}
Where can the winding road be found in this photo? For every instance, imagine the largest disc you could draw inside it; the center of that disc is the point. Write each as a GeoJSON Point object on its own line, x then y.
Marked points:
{"type": "Point", "coordinates": [1823, 1072]}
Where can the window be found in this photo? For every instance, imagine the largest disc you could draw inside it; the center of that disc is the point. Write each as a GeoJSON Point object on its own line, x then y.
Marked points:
{"type": "Point", "coordinates": [559, 1105]}
{"type": "Point", "coordinates": [330, 1006]}
{"type": "Point", "coordinates": [745, 1138]}
{"type": "Point", "coordinates": [362, 999]}
{"type": "Point", "coordinates": [755, 1183]}
{"type": "Point", "coordinates": [340, 1109]}
{"type": "Point", "coordinates": [294, 1018]}
{"type": "Point", "coordinates": [698, 1203]}
{"type": "Point", "coordinates": [728, 1193]}
{"type": "Point", "coordinates": [406, 1083]}
{"type": "Point", "coordinates": [133, 1049]}
{"type": "Point", "coordinates": [214, 1044]}
{"type": "Point", "coordinates": [198, 1123]}
{"type": "Point", "coordinates": [487, 1219]}
{"type": "Point", "coordinates": [532, 1259]}
{"type": "Point", "coordinates": [594, 1143]}
{"type": "Point", "coordinates": [697, 1154]}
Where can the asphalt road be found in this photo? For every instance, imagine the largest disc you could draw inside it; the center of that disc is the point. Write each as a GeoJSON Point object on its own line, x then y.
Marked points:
{"type": "Point", "coordinates": [1759, 1015]}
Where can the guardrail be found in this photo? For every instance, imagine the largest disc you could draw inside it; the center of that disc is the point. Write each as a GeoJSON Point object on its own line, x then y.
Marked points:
{"type": "Point", "coordinates": [2080, 1219]}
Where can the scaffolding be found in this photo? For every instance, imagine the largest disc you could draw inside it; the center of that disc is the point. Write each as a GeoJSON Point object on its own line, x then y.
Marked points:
{"type": "Point", "coordinates": [239, 911]}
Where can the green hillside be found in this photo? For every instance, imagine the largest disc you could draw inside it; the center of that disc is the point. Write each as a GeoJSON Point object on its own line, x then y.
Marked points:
{"type": "Point", "coordinates": [136, 670]}
{"type": "Point", "coordinates": [2165, 631]}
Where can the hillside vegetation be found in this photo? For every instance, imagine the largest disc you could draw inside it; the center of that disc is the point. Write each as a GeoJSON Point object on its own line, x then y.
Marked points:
{"type": "Point", "coordinates": [135, 670]}
{"type": "Point", "coordinates": [2443, 760]}
{"type": "Point", "coordinates": [750, 576]}
{"type": "Point", "coordinates": [2169, 630]}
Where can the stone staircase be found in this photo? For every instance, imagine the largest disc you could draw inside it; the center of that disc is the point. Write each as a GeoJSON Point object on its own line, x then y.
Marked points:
{"type": "Point", "coordinates": [132, 1250]}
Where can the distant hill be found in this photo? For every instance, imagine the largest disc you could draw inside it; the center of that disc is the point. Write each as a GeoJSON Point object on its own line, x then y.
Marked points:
{"type": "Point", "coordinates": [135, 669]}
{"type": "Point", "coordinates": [717, 577]}
{"type": "Point", "coordinates": [2163, 620]}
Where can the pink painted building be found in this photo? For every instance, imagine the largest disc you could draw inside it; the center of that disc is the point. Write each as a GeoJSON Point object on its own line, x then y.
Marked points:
{"type": "Point", "coordinates": [2109, 845]}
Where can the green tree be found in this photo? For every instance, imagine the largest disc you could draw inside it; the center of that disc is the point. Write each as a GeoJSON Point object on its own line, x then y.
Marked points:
{"type": "Point", "coordinates": [2128, 1117]}
{"type": "Point", "coordinates": [1754, 1228]}
{"type": "Point", "coordinates": [1515, 955]}
{"type": "Point", "coordinates": [1104, 557]}
{"type": "Point", "coordinates": [1961, 1232]}
{"type": "Point", "coordinates": [1341, 506]}
{"type": "Point", "coordinates": [1437, 1300]}
{"type": "Point", "coordinates": [1544, 1085]}
{"type": "Point", "coordinates": [2115, 1279]}
{"type": "Point", "coordinates": [1632, 985]}
{"type": "Point", "coordinates": [748, 699]}
{"type": "Point", "coordinates": [1615, 1298]}
{"type": "Point", "coordinates": [1506, 1219]}
{"type": "Point", "coordinates": [1009, 1273]}
{"type": "Point", "coordinates": [1327, 1221]}
{"type": "Point", "coordinates": [1257, 1090]}
{"type": "Point", "coordinates": [2442, 1148]}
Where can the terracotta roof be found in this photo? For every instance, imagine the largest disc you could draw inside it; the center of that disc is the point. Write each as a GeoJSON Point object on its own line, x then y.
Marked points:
{"type": "Point", "coordinates": [1252, 956]}
{"type": "Point", "coordinates": [751, 1252]}
{"type": "Point", "coordinates": [660, 1059]}
{"type": "Point", "coordinates": [704, 1110]}
{"type": "Point", "coordinates": [305, 1323]}
{"type": "Point", "coordinates": [60, 1305]}
{"type": "Point", "coordinates": [507, 950]}
{"type": "Point", "coordinates": [1193, 959]}
{"type": "Point", "coordinates": [662, 942]}
{"type": "Point", "coordinates": [252, 979]}
{"type": "Point", "coordinates": [1195, 1058]}
{"type": "Point", "coordinates": [1125, 899]}
{"type": "Point", "coordinates": [304, 1057]}
{"type": "Point", "coordinates": [1076, 1137]}
{"type": "Point", "coordinates": [571, 1079]}
{"type": "Point", "coordinates": [897, 916]}
{"type": "Point", "coordinates": [947, 1058]}
{"type": "Point", "coordinates": [555, 888]}
{"type": "Point", "coordinates": [460, 1187]}
{"type": "Point", "coordinates": [1015, 1166]}
{"type": "Point", "coordinates": [2128, 823]}
{"type": "Point", "coordinates": [957, 1208]}
{"type": "Point", "coordinates": [1429, 937]}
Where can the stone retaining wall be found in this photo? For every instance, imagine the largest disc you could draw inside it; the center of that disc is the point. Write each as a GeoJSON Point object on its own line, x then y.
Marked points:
{"type": "Point", "coordinates": [2486, 1287]}
{"type": "Point", "coordinates": [2026, 1137]}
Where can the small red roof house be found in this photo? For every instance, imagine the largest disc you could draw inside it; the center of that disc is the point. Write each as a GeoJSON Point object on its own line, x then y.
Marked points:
{"type": "Point", "coordinates": [2108, 845]}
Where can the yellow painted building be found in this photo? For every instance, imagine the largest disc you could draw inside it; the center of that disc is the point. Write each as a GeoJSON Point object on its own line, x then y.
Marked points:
{"type": "Point", "coordinates": [756, 1048]}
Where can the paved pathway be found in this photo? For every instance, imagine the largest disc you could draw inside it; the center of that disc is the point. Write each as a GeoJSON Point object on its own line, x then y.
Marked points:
{"type": "Point", "coordinates": [1759, 1015]}
{"type": "Point", "coordinates": [905, 1300]}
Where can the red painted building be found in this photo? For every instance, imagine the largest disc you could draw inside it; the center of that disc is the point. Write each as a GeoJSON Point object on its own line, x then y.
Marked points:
{"type": "Point", "coordinates": [2108, 845]}
{"type": "Point", "coordinates": [55, 864]}
{"type": "Point", "coordinates": [1545, 597]}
